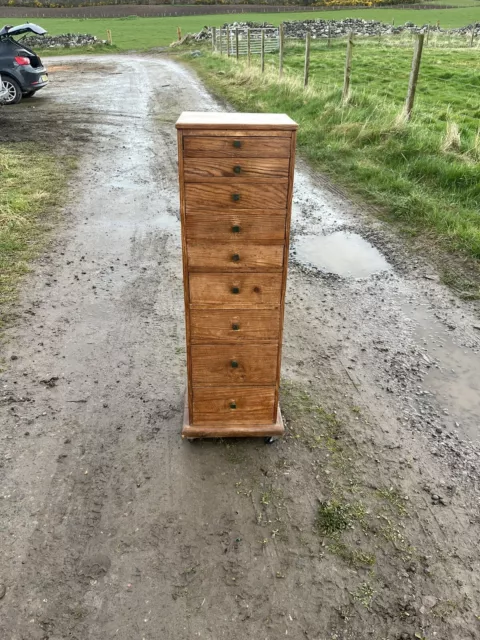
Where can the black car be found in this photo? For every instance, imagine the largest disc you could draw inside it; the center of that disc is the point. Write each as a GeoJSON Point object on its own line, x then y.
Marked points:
{"type": "Point", "coordinates": [21, 70]}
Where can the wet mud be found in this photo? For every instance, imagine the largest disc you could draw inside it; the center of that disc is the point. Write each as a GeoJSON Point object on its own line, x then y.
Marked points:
{"type": "Point", "coordinates": [361, 523]}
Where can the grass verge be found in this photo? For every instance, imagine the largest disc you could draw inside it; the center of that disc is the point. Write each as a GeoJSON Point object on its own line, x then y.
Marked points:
{"type": "Point", "coordinates": [32, 185]}
{"type": "Point", "coordinates": [424, 174]}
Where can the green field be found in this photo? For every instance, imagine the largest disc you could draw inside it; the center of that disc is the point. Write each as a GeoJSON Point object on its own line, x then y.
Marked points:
{"type": "Point", "coordinates": [145, 33]}
{"type": "Point", "coordinates": [424, 174]}
{"type": "Point", "coordinates": [458, 3]}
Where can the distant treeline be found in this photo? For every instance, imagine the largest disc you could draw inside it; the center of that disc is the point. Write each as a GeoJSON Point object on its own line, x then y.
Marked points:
{"type": "Point", "coordinates": [39, 4]}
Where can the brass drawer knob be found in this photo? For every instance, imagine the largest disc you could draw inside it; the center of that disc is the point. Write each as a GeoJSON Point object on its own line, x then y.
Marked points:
{"type": "Point", "coordinates": [237, 144]}
{"type": "Point", "coordinates": [235, 197]}
{"type": "Point", "coordinates": [237, 168]}
{"type": "Point", "coordinates": [236, 257]}
{"type": "Point", "coordinates": [236, 228]}
{"type": "Point", "coordinates": [234, 364]}
{"type": "Point", "coordinates": [235, 326]}
{"type": "Point", "coordinates": [233, 405]}
{"type": "Point", "coordinates": [235, 290]}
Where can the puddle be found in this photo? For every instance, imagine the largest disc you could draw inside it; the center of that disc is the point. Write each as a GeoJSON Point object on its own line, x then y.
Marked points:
{"type": "Point", "coordinates": [343, 253]}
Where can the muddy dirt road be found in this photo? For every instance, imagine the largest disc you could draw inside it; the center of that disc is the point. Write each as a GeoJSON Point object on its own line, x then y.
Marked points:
{"type": "Point", "coordinates": [362, 523]}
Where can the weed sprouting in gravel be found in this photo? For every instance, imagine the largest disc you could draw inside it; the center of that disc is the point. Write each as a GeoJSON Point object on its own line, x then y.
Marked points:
{"type": "Point", "coordinates": [354, 557]}
{"type": "Point", "coordinates": [333, 517]}
{"type": "Point", "coordinates": [364, 594]}
{"type": "Point", "coordinates": [394, 499]}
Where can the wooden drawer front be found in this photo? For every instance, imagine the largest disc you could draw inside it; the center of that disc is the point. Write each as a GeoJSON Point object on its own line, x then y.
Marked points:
{"type": "Point", "coordinates": [235, 290]}
{"type": "Point", "coordinates": [265, 195]}
{"type": "Point", "coordinates": [216, 169]}
{"type": "Point", "coordinates": [233, 405]}
{"type": "Point", "coordinates": [214, 325]}
{"type": "Point", "coordinates": [235, 257]}
{"type": "Point", "coordinates": [243, 226]}
{"type": "Point", "coordinates": [234, 364]}
{"type": "Point", "coordinates": [236, 147]}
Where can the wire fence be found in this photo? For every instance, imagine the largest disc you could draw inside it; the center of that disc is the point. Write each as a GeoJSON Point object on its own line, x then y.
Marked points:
{"type": "Point", "coordinates": [251, 42]}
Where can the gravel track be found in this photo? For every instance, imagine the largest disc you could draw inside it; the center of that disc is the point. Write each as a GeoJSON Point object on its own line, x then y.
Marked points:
{"type": "Point", "coordinates": [112, 527]}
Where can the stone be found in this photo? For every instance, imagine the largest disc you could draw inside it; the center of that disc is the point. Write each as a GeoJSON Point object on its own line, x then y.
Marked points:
{"type": "Point", "coordinates": [429, 602]}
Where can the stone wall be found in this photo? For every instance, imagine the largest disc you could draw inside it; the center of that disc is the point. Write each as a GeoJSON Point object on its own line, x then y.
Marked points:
{"type": "Point", "coordinates": [320, 28]}
{"type": "Point", "coordinates": [64, 40]}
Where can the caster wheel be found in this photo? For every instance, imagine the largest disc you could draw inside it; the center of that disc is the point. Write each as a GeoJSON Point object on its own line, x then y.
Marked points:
{"type": "Point", "coordinates": [191, 440]}
{"type": "Point", "coordinates": [269, 440]}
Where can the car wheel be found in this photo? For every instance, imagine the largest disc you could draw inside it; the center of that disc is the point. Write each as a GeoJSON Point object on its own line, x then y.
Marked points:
{"type": "Point", "coordinates": [14, 93]}
{"type": "Point", "coordinates": [29, 94]}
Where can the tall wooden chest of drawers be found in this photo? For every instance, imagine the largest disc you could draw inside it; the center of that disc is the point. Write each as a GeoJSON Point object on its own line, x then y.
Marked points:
{"type": "Point", "coordinates": [236, 181]}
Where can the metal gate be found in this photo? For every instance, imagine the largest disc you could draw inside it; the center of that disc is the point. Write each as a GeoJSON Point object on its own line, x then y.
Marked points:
{"type": "Point", "coordinates": [225, 41]}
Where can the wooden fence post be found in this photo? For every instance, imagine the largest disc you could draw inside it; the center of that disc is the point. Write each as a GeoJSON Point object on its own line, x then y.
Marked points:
{"type": "Point", "coordinates": [348, 69]}
{"type": "Point", "coordinates": [428, 35]}
{"type": "Point", "coordinates": [412, 83]}
{"type": "Point", "coordinates": [214, 39]}
{"type": "Point", "coordinates": [262, 52]}
{"type": "Point", "coordinates": [109, 36]}
{"type": "Point", "coordinates": [249, 52]}
{"type": "Point", "coordinates": [236, 44]}
{"type": "Point", "coordinates": [472, 37]}
{"type": "Point", "coordinates": [179, 33]}
{"type": "Point", "coordinates": [228, 42]}
{"type": "Point", "coordinates": [220, 48]}
{"type": "Point", "coordinates": [307, 59]}
{"type": "Point", "coordinates": [329, 43]}
{"type": "Point", "coordinates": [280, 50]}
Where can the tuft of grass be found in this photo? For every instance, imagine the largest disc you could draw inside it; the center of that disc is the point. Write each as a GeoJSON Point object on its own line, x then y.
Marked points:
{"type": "Point", "coordinates": [354, 557]}
{"type": "Point", "coordinates": [334, 517]}
{"type": "Point", "coordinates": [452, 141]}
{"type": "Point", "coordinates": [30, 190]}
{"type": "Point", "coordinates": [364, 594]}
{"type": "Point", "coordinates": [413, 174]}
{"type": "Point", "coordinates": [396, 501]}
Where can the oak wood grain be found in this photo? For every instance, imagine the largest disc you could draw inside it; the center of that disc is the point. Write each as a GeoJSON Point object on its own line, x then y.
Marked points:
{"type": "Point", "coordinates": [234, 316]}
{"type": "Point", "coordinates": [241, 169]}
{"type": "Point", "coordinates": [234, 257]}
{"type": "Point", "coordinates": [285, 270]}
{"type": "Point", "coordinates": [232, 364]}
{"type": "Point", "coordinates": [255, 290]}
{"type": "Point", "coordinates": [265, 195]}
{"type": "Point", "coordinates": [234, 325]}
{"type": "Point", "coordinates": [243, 133]}
{"type": "Point", "coordinates": [186, 289]}
{"type": "Point", "coordinates": [225, 147]}
{"type": "Point", "coordinates": [213, 405]}
{"type": "Point", "coordinates": [245, 225]}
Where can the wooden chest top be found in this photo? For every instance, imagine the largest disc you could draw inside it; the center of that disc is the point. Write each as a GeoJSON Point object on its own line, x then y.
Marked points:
{"type": "Point", "coordinates": [222, 120]}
